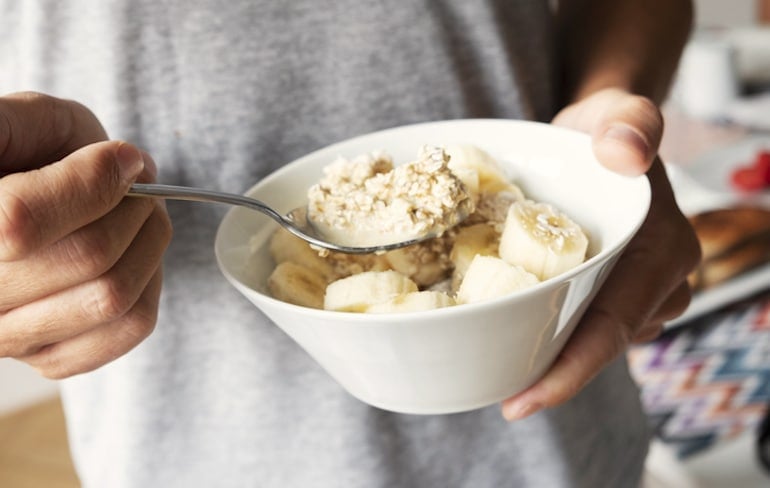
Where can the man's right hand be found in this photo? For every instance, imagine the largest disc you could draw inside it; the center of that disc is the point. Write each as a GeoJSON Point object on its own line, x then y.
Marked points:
{"type": "Point", "coordinates": [80, 265]}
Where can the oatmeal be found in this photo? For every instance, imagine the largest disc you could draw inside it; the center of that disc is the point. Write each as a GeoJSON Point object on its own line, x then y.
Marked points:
{"type": "Point", "coordinates": [367, 201]}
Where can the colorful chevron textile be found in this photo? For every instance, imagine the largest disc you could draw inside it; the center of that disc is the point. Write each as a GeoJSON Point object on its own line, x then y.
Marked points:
{"type": "Point", "coordinates": [707, 380]}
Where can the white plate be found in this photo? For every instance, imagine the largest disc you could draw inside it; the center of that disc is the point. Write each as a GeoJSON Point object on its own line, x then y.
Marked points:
{"type": "Point", "coordinates": [731, 291]}
{"type": "Point", "coordinates": [703, 185]}
{"type": "Point", "coordinates": [711, 172]}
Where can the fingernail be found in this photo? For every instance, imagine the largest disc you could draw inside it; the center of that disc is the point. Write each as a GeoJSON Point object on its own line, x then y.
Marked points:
{"type": "Point", "coordinates": [518, 412]}
{"type": "Point", "coordinates": [130, 161]}
{"type": "Point", "coordinates": [625, 135]}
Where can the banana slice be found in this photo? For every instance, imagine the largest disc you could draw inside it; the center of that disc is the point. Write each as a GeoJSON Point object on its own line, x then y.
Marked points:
{"type": "Point", "coordinates": [541, 239]}
{"type": "Point", "coordinates": [489, 277]}
{"type": "Point", "coordinates": [285, 246]}
{"type": "Point", "coordinates": [491, 175]}
{"type": "Point", "coordinates": [358, 292]}
{"type": "Point", "coordinates": [294, 283]}
{"type": "Point", "coordinates": [413, 302]}
{"type": "Point", "coordinates": [478, 239]}
{"type": "Point", "coordinates": [425, 263]}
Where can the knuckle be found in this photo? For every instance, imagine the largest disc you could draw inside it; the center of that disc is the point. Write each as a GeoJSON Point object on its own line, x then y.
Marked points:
{"type": "Point", "coordinates": [17, 227]}
{"type": "Point", "coordinates": [60, 123]}
{"type": "Point", "coordinates": [136, 328]}
{"type": "Point", "coordinates": [561, 391]}
{"type": "Point", "coordinates": [91, 253]}
{"type": "Point", "coordinates": [49, 364]}
{"type": "Point", "coordinates": [110, 300]}
{"type": "Point", "coordinates": [565, 392]}
{"type": "Point", "coordinates": [17, 346]}
{"type": "Point", "coordinates": [57, 122]}
{"type": "Point", "coordinates": [648, 116]}
{"type": "Point", "coordinates": [645, 106]}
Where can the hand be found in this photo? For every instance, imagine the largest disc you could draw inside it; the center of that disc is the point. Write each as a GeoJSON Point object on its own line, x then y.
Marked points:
{"type": "Point", "coordinates": [648, 284]}
{"type": "Point", "coordinates": [80, 265]}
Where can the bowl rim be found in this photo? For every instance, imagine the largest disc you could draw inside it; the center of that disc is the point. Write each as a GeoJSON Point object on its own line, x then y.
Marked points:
{"type": "Point", "coordinates": [372, 319]}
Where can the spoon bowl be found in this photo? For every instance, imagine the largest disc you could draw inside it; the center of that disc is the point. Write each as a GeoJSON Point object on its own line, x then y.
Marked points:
{"type": "Point", "coordinates": [295, 221]}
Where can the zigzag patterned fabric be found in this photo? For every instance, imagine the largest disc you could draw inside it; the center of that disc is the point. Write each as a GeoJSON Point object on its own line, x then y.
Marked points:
{"type": "Point", "coordinates": [707, 380]}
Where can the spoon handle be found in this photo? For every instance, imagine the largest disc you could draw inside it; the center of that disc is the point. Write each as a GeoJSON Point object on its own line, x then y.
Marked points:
{"type": "Point", "coordinates": [200, 195]}
{"type": "Point", "coordinates": [295, 221]}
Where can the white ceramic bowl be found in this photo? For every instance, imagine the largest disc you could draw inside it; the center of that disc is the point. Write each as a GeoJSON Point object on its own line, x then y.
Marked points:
{"type": "Point", "coordinates": [467, 356]}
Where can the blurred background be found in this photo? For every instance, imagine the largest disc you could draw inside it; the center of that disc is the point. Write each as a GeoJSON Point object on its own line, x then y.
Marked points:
{"type": "Point", "coordinates": [717, 119]}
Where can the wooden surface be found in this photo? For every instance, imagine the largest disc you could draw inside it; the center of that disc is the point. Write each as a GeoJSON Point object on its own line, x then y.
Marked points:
{"type": "Point", "coordinates": [763, 11]}
{"type": "Point", "coordinates": [33, 449]}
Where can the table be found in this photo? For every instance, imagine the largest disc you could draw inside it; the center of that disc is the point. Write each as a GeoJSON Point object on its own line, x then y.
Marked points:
{"type": "Point", "coordinates": [706, 384]}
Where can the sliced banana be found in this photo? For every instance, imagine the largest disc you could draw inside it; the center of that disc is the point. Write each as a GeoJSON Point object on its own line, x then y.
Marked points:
{"type": "Point", "coordinates": [508, 243]}
{"type": "Point", "coordinates": [541, 239]}
{"type": "Point", "coordinates": [415, 301]}
{"type": "Point", "coordinates": [478, 239]}
{"type": "Point", "coordinates": [285, 246]}
{"type": "Point", "coordinates": [491, 175]}
{"type": "Point", "coordinates": [294, 283]}
{"type": "Point", "coordinates": [358, 292]}
{"type": "Point", "coordinates": [489, 277]}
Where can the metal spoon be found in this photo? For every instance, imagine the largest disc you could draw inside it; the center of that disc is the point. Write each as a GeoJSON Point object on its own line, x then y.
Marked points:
{"type": "Point", "coordinates": [295, 221]}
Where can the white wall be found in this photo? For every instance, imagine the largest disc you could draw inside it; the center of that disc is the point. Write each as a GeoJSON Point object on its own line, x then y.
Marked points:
{"type": "Point", "coordinates": [725, 13]}
{"type": "Point", "coordinates": [20, 386]}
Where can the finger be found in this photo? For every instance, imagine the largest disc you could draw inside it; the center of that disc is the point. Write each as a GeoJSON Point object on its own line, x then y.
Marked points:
{"type": "Point", "coordinates": [82, 256]}
{"type": "Point", "coordinates": [37, 129]}
{"type": "Point", "coordinates": [40, 207]}
{"type": "Point", "coordinates": [628, 134]}
{"type": "Point", "coordinates": [625, 303]}
{"type": "Point", "coordinates": [596, 341]}
{"type": "Point", "coordinates": [674, 305]}
{"type": "Point", "coordinates": [100, 345]}
{"type": "Point", "coordinates": [102, 300]}
{"type": "Point", "coordinates": [626, 129]}
{"type": "Point", "coordinates": [649, 332]}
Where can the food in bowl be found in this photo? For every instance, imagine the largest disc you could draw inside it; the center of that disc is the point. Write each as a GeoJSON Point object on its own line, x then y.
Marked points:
{"type": "Point", "coordinates": [507, 243]}
{"type": "Point", "coordinates": [452, 358]}
{"type": "Point", "coordinates": [366, 201]}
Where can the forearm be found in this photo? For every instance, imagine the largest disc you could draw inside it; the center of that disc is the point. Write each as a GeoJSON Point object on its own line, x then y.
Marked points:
{"type": "Point", "coordinates": [629, 44]}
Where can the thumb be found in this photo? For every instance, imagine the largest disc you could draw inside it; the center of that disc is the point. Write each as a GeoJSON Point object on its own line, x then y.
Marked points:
{"type": "Point", "coordinates": [627, 135]}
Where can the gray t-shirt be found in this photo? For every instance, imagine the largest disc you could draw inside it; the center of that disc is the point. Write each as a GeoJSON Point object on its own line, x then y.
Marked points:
{"type": "Point", "coordinates": [222, 93]}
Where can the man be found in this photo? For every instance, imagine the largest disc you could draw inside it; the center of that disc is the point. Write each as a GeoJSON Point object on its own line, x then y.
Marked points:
{"type": "Point", "coordinates": [221, 94]}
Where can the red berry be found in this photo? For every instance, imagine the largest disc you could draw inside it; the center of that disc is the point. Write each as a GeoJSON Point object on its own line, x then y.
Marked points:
{"type": "Point", "coordinates": [762, 164]}
{"type": "Point", "coordinates": [747, 179]}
